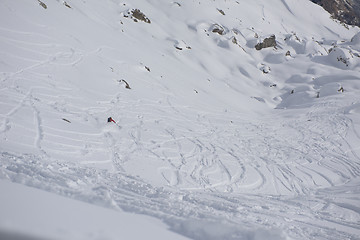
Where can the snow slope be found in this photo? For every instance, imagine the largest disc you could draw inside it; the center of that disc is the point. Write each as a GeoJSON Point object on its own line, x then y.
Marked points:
{"type": "Point", "coordinates": [72, 220]}
{"type": "Point", "coordinates": [213, 137]}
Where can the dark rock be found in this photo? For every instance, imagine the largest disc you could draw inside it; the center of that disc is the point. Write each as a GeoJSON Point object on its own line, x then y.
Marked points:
{"type": "Point", "coordinates": [67, 5]}
{"type": "Point", "coordinates": [268, 42]}
{"type": "Point", "coordinates": [137, 15]}
{"type": "Point", "coordinates": [42, 4]}
{"type": "Point", "coordinates": [221, 11]}
{"type": "Point", "coordinates": [216, 28]}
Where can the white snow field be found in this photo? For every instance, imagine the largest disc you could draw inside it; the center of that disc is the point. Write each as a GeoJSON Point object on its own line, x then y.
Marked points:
{"type": "Point", "coordinates": [213, 139]}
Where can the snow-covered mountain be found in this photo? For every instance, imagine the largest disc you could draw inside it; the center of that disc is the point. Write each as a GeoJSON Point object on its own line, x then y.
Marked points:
{"type": "Point", "coordinates": [233, 119]}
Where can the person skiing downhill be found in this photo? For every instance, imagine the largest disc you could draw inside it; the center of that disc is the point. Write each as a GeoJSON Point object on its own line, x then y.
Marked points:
{"type": "Point", "coordinates": [111, 120]}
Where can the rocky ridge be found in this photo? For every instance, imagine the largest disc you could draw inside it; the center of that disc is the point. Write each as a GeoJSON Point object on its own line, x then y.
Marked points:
{"type": "Point", "coordinates": [346, 11]}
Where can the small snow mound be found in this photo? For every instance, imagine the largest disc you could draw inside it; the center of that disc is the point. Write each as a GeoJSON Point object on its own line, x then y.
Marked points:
{"type": "Point", "coordinates": [337, 57]}
{"type": "Point", "coordinates": [356, 39]}
{"type": "Point", "coordinates": [293, 41]}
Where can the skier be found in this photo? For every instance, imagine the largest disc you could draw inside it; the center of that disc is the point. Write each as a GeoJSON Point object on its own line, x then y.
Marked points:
{"type": "Point", "coordinates": [111, 120]}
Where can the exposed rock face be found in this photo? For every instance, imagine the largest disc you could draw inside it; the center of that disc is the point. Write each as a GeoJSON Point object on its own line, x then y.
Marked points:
{"type": "Point", "coordinates": [137, 15]}
{"type": "Point", "coordinates": [216, 28]}
{"type": "Point", "coordinates": [140, 16]}
{"type": "Point", "coordinates": [347, 11]}
{"type": "Point", "coordinates": [268, 42]}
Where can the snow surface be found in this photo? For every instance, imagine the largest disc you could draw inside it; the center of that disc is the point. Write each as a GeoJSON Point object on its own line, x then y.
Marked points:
{"type": "Point", "coordinates": [56, 217]}
{"type": "Point", "coordinates": [213, 138]}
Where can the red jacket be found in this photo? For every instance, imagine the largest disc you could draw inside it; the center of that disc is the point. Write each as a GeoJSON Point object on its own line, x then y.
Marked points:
{"type": "Point", "coordinates": [111, 120]}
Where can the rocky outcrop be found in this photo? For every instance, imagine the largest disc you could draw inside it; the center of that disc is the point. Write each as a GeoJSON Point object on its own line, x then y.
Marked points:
{"type": "Point", "coordinates": [346, 11]}
{"type": "Point", "coordinates": [268, 42]}
{"type": "Point", "coordinates": [216, 28]}
{"type": "Point", "coordinates": [137, 15]}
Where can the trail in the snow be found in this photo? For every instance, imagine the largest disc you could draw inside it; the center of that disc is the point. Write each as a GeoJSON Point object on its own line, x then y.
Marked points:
{"type": "Point", "coordinates": [179, 208]}
{"type": "Point", "coordinates": [226, 152]}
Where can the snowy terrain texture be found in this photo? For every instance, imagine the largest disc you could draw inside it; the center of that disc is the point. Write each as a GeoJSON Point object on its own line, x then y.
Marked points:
{"type": "Point", "coordinates": [212, 139]}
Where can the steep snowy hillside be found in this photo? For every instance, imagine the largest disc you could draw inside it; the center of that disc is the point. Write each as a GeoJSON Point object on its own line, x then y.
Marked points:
{"type": "Point", "coordinates": [233, 119]}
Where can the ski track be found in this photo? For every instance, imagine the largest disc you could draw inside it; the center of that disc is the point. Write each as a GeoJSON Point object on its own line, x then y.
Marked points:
{"type": "Point", "coordinates": [212, 156]}
{"type": "Point", "coordinates": [214, 160]}
{"type": "Point", "coordinates": [118, 190]}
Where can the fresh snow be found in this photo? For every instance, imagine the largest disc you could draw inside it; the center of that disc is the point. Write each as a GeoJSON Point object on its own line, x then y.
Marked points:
{"type": "Point", "coordinates": [62, 218]}
{"type": "Point", "coordinates": [213, 139]}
